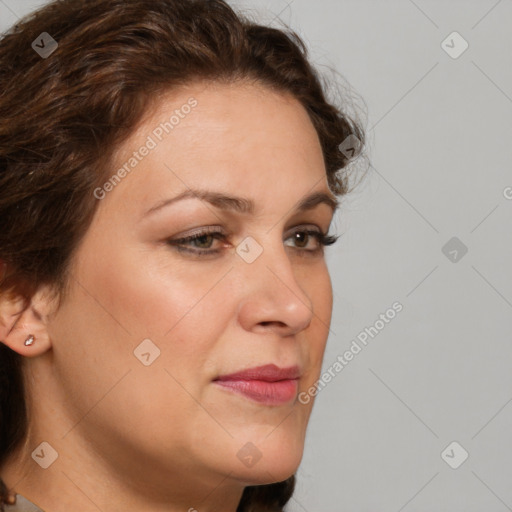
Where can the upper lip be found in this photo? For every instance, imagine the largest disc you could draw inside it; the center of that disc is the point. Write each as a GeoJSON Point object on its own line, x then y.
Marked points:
{"type": "Point", "coordinates": [268, 373]}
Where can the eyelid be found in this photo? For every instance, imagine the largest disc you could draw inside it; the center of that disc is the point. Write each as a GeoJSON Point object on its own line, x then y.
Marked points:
{"type": "Point", "coordinates": [179, 244]}
{"type": "Point", "coordinates": [211, 230]}
{"type": "Point", "coordinates": [205, 230]}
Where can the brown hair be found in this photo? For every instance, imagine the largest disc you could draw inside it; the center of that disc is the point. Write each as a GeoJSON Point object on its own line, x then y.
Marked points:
{"type": "Point", "coordinates": [64, 114]}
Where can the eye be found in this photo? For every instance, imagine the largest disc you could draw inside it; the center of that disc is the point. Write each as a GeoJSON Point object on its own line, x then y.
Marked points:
{"type": "Point", "coordinates": [200, 243]}
{"type": "Point", "coordinates": [302, 237]}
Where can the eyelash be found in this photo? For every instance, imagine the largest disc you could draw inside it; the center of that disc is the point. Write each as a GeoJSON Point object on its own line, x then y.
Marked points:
{"type": "Point", "coordinates": [323, 239]}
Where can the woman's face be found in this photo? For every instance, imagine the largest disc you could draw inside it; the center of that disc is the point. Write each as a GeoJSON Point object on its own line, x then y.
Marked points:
{"type": "Point", "coordinates": [150, 323]}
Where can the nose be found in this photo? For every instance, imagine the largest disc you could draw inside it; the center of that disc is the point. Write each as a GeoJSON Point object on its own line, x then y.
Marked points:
{"type": "Point", "coordinates": [272, 299]}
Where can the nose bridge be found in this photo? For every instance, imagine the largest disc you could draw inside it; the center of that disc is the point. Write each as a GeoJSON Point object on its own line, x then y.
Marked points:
{"type": "Point", "coordinates": [272, 292]}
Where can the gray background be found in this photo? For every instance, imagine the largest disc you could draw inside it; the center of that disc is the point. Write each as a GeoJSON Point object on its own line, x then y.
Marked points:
{"type": "Point", "coordinates": [439, 142]}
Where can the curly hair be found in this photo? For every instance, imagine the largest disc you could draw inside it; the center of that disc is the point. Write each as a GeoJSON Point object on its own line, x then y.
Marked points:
{"type": "Point", "coordinates": [64, 114]}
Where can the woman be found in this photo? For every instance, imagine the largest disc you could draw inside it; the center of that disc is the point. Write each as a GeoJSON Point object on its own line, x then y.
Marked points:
{"type": "Point", "coordinates": [169, 173]}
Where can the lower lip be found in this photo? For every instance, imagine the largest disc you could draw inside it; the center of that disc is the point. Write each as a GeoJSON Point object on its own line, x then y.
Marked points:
{"type": "Point", "coordinates": [268, 393]}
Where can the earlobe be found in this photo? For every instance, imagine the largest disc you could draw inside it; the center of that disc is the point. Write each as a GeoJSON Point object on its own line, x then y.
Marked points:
{"type": "Point", "coordinates": [23, 326]}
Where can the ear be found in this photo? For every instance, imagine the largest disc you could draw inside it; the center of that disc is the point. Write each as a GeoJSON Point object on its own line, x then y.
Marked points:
{"type": "Point", "coordinates": [22, 316]}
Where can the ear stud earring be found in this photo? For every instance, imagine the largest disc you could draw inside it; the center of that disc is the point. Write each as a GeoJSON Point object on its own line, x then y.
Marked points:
{"type": "Point", "coordinates": [30, 340]}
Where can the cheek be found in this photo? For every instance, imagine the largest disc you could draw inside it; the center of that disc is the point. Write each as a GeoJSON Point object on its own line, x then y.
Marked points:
{"type": "Point", "coordinates": [156, 296]}
{"type": "Point", "coordinates": [99, 327]}
{"type": "Point", "coordinates": [320, 292]}
{"type": "Point", "coordinates": [121, 298]}
{"type": "Point", "coordinates": [183, 308]}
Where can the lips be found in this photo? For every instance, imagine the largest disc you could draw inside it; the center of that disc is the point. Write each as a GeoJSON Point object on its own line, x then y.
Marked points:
{"type": "Point", "coordinates": [267, 373]}
{"type": "Point", "coordinates": [268, 384]}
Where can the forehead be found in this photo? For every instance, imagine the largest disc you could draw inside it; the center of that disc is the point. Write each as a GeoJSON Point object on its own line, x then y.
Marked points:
{"type": "Point", "coordinates": [236, 137]}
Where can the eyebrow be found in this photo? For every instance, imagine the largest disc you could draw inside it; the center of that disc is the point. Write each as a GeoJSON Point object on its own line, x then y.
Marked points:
{"type": "Point", "coordinates": [241, 204]}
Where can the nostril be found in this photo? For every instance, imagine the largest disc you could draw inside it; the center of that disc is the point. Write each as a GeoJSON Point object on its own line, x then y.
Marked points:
{"type": "Point", "coordinates": [273, 322]}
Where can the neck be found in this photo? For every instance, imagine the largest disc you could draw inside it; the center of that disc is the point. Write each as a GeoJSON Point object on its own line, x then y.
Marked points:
{"type": "Point", "coordinates": [73, 482]}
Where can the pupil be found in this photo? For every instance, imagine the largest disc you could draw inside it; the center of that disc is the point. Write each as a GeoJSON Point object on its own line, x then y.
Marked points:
{"type": "Point", "coordinates": [301, 235]}
{"type": "Point", "coordinates": [204, 238]}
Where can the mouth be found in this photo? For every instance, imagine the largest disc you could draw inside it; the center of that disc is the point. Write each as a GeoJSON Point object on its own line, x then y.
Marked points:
{"type": "Point", "coordinates": [267, 385]}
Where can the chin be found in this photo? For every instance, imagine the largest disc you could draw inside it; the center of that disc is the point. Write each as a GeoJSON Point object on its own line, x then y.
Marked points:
{"type": "Point", "coordinates": [274, 465]}
{"type": "Point", "coordinates": [267, 475]}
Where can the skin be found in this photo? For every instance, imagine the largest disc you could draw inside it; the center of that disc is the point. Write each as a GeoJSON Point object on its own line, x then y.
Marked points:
{"type": "Point", "coordinates": [163, 437]}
